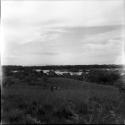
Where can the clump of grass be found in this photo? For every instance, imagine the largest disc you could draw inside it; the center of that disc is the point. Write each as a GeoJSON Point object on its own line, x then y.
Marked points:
{"type": "Point", "coordinates": [95, 111]}
{"type": "Point", "coordinates": [67, 106]}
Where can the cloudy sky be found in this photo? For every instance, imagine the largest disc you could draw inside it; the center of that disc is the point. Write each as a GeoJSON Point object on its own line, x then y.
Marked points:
{"type": "Point", "coordinates": [63, 32]}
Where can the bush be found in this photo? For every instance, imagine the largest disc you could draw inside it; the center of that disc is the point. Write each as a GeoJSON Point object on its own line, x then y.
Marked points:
{"type": "Point", "coordinates": [103, 76]}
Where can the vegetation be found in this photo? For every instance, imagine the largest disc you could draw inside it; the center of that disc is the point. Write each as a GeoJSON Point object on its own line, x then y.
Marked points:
{"type": "Point", "coordinates": [30, 97]}
{"type": "Point", "coordinates": [103, 77]}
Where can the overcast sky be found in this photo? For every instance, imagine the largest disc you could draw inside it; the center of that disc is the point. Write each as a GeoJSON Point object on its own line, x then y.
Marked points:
{"type": "Point", "coordinates": [63, 32]}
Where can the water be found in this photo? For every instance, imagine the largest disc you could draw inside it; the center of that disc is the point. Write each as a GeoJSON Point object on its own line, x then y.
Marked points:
{"type": "Point", "coordinates": [59, 72]}
{"type": "Point", "coordinates": [71, 73]}
{"type": "Point", "coordinates": [14, 71]}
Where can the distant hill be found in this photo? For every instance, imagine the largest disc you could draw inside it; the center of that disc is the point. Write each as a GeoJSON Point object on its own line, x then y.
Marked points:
{"type": "Point", "coordinates": [61, 67]}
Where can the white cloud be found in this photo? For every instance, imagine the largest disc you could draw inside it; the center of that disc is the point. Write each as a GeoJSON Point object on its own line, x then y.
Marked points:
{"type": "Point", "coordinates": [70, 13]}
{"type": "Point", "coordinates": [67, 32]}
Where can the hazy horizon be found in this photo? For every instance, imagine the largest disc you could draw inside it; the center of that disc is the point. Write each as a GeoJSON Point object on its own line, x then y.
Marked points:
{"type": "Point", "coordinates": [63, 32]}
{"type": "Point", "coordinates": [68, 65]}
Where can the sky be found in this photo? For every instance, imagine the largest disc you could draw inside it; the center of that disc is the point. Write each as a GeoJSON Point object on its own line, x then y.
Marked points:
{"type": "Point", "coordinates": [63, 32]}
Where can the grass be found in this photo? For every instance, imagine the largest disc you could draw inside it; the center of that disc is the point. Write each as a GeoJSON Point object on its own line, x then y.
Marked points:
{"type": "Point", "coordinates": [75, 102]}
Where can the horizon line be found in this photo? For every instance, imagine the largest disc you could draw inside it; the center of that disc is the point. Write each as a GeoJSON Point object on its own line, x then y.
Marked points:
{"type": "Point", "coordinates": [67, 65]}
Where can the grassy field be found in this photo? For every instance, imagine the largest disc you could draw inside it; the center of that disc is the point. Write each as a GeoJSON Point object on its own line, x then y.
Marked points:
{"type": "Point", "coordinates": [72, 102]}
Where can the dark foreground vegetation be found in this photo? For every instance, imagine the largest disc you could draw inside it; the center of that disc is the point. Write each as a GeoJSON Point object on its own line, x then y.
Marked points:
{"type": "Point", "coordinates": [96, 96]}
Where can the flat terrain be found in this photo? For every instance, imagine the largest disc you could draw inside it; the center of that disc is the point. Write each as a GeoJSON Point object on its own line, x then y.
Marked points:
{"type": "Point", "coordinates": [67, 88]}
{"type": "Point", "coordinates": [71, 101]}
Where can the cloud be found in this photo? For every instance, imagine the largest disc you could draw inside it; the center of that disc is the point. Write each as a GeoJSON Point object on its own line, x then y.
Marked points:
{"type": "Point", "coordinates": [65, 32]}
{"type": "Point", "coordinates": [49, 53]}
{"type": "Point", "coordinates": [63, 13]}
{"type": "Point", "coordinates": [73, 41]}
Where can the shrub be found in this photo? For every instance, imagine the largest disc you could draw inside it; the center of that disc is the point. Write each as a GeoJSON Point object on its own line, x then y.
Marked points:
{"type": "Point", "coordinates": [103, 76]}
